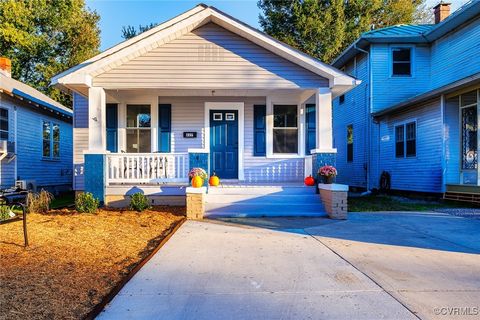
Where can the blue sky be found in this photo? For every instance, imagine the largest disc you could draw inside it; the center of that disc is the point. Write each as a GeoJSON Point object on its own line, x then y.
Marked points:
{"type": "Point", "coordinates": [117, 13]}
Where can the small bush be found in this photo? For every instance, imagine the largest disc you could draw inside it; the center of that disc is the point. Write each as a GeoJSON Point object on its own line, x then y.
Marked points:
{"type": "Point", "coordinates": [4, 213]}
{"type": "Point", "coordinates": [86, 203]}
{"type": "Point", "coordinates": [39, 202]}
{"type": "Point", "coordinates": [139, 202]}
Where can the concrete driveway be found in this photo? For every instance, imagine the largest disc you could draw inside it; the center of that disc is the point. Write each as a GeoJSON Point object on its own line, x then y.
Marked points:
{"type": "Point", "coordinates": [373, 266]}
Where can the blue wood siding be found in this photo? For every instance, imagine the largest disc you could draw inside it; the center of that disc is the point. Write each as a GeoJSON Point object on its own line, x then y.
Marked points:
{"type": "Point", "coordinates": [47, 173]}
{"type": "Point", "coordinates": [456, 55]}
{"type": "Point", "coordinates": [389, 90]}
{"type": "Point", "coordinates": [424, 171]}
{"type": "Point", "coordinates": [353, 111]}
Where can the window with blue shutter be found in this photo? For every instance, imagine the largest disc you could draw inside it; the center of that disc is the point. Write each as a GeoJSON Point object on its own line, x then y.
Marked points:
{"type": "Point", "coordinates": [259, 130]}
{"type": "Point", "coordinates": [164, 127]}
{"type": "Point", "coordinates": [310, 128]}
{"type": "Point", "coordinates": [112, 127]}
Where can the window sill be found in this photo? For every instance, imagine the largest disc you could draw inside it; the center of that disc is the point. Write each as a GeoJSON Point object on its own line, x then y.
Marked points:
{"type": "Point", "coordinates": [51, 159]}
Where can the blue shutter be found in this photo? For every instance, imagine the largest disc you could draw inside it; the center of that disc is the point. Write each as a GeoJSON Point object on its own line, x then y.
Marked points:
{"type": "Point", "coordinates": [310, 128]}
{"type": "Point", "coordinates": [164, 127]}
{"type": "Point", "coordinates": [112, 127]}
{"type": "Point", "coordinates": [260, 129]}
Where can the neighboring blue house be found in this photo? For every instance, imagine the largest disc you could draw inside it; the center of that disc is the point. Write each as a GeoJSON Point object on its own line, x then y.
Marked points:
{"type": "Point", "coordinates": [415, 113]}
{"type": "Point", "coordinates": [35, 137]}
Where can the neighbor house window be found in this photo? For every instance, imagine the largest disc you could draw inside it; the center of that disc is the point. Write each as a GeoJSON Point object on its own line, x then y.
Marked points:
{"type": "Point", "coordinates": [402, 61]}
{"type": "Point", "coordinates": [350, 143]}
{"type": "Point", "coordinates": [51, 140]}
{"type": "Point", "coordinates": [138, 128]}
{"type": "Point", "coordinates": [285, 129]}
{"type": "Point", "coordinates": [406, 140]}
{"type": "Point", "coordinates": [3, 124]}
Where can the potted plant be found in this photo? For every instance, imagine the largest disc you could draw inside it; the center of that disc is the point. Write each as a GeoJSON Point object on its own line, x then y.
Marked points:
{"type": "Point", "coordinates": [197, 176]}
{"type": "Point", "coordinates": [327, 173]}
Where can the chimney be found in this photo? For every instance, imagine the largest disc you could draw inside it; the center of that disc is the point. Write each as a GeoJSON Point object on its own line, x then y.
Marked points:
{"type": "Point", "coordinates": [6, 67]}
{"type": "Point", "coordinates": [441, 11]}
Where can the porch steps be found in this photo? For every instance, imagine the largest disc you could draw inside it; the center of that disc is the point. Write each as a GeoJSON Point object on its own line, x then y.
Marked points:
{"type": "Point", "coordinates": [263, 201]}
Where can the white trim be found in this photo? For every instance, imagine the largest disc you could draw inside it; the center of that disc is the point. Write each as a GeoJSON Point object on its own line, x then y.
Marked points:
{"type": "Point", "coordinates": [197, 150]}
{"type": "Point", "coordinates": [316, 151]}
{"type": "Point", "coordinates": [240, 107]}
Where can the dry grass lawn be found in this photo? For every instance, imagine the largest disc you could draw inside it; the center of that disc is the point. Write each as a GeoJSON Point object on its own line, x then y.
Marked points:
{"type": "Point", "coordinates": [74, 260]}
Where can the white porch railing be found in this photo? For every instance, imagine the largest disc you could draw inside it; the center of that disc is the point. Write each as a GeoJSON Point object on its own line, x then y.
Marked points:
{"type": "Point", "coordinates": [146, 167]}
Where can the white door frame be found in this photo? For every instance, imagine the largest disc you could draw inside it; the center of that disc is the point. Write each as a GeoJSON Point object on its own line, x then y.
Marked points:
{"type": "Point", "coordinates": [238, 106]}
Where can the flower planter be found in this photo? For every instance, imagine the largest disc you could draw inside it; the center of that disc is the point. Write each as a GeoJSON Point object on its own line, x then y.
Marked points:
{"type": "Point", "coordinates": [327, 180]}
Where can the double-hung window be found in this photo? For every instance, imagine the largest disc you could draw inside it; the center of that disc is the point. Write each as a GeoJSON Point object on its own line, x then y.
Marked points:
{"type": "Point", "coordinates": [285, 129]}
{"type": "Point", "coordinates": [51, 140]}
{"type": "Point", "coordinates": [406, 140]}
{"type": "Point", "coordinates": [402, 62]}
{"type": "Point", "coordinates": [3, 124]}
{"type": "Point", "coordinates": [138, 128]}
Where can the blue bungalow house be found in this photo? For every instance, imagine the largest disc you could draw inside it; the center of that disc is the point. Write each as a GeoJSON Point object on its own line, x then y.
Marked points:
{"type": "Point", "coordinates": [35, 137]}
{"type": "Point", "coordinates": [200, 90]}
{"type": "Point", "coordinates": [415, 115]}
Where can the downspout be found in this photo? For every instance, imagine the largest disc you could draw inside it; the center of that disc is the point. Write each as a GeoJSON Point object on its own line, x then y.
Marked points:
{"type": "Point", "coordinates": [367, 112]}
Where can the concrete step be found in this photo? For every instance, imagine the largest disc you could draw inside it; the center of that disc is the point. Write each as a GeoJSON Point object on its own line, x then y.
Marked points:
{"type": "Point", "coordinates": [264, 210]}
{"type": "Point", "coordinates": [293, 199]}
{"type": "Point", "coordinates": [261, 190]}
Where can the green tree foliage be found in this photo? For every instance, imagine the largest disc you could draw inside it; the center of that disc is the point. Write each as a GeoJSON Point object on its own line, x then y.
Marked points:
{"type": "Point", "coordinates": [323, 28]}
{"type": "Point", "coordinates": [46, 37]}
{"type": "Point", "coordinates": [130, 31]}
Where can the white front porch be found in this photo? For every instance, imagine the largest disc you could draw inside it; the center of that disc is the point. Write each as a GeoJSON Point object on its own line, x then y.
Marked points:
{"type": "Point", "coordinates": [190, 113]}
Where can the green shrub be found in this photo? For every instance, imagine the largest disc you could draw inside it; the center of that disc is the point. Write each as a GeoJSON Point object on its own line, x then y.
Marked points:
{"type": "Point", "coordinates": [39, 202]}
{"type": "Point", "coordinates": [4, 213]}
{"type": "Point", "coordinates": [86, 203]}
{"type": "Point", "coordinates": [139, 202]}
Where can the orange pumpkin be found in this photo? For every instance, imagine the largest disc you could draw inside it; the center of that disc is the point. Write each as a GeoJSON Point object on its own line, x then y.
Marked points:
{"type": "Point", "coordinates": [197, 182]}
{"type": "Point", "coordinates": [214, 181]}
{"type": "Point", "coordinates": [309, 181]}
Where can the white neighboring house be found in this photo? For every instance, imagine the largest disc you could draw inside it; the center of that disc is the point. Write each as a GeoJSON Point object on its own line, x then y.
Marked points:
{"type": "Point", "coordinates": [35, 137]}
{"type": "Point", "coordinates": [200, 90]}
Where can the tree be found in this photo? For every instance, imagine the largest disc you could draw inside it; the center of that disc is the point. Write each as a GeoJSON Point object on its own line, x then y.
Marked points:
{"type": "Point", "coordinates": [130, 31]}
{"type": "Point", "coordinates": [324, 28]}
{"type": "Point", "coordinates": [46, 37]}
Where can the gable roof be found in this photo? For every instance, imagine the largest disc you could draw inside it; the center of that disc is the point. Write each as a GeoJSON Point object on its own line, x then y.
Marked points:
{"type": "Point", "coordinates": [411, 33]}
{"type": "Point", "coordinates": [23, 91]}
{"type": "Point", "coordinates": [82, 74]}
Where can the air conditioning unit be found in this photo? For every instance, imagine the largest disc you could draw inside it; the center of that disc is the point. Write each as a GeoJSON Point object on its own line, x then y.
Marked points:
{"type": "Point", "coordinates": [29, 185]}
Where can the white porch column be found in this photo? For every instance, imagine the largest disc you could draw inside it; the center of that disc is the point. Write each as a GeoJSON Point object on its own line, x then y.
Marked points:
{"type": "Point", "coordinates": [97, 140]}
{"type": "Point", "coordinates": [323, 103]}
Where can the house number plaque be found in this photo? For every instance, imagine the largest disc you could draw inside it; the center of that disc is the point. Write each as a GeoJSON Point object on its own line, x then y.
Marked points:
{"type": "Point", "coordinates": [189, 135]}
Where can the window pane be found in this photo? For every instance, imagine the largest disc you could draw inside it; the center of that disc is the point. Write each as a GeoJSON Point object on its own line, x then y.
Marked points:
{"type": "Point", "coordinates": [138, 116]}
{"type": "Point", "coordinates": [411, 148]}
{"type": "Point", "coordinates": [56, 132]}
{"type": "Point", "coordinates": [3, 135]}
{"type": "Point", "coordinates": [401, 55]}
{"type": "Point", "coordinates": [56, 149]}
{"type": "Point", "coordinates": [401, 69]}
{"type": "Point", "coordinates": [285, 141]}
{"type": "Point", "coordinates": [46, 130]}
{"type": "Point", "coordinates": [284, 116]}
{"type": "Point", "coordinates": [411, 131]}
{"type": "Point", "coordinates": [469, 138]}
{"type": "Point", "coordinates": [46, 148]}
{"type": "Point", "coordinates": [469, 98]}
{"type": "Point", "coordinates": [138, 140]}
{"type": "Point", "coordinates": [399, 141]}
{"type": "Point", "coordinates": [145, 140]}
{"type": "Point", "coordinates": [132, 140]}
{"type": "Point", "coordinates": [4, 113]}
{"type": "Point", "coordinates": [4, 125]}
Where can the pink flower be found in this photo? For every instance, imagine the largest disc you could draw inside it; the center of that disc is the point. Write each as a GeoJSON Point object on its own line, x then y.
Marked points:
{"type": "Point", "coordinates": [327, 171]}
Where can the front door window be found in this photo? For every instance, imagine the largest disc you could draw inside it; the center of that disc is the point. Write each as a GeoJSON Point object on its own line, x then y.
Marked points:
{"type": "Point", "coordinates": [469, 122]}
{"type": "Point", "coordinates": [138, 128]}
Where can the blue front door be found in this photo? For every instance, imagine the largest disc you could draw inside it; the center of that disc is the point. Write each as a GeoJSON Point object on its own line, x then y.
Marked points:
{"type": "Point", "coordinates": [224, 143]}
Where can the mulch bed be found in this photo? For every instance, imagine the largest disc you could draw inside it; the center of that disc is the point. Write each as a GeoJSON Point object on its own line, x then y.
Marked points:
{"type": "Point", "coordinates": [75, 260]}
